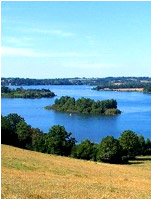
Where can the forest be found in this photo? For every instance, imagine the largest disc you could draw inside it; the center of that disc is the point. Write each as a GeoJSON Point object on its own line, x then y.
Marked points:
{"type": "Point", "coordinates": [6, 92]}
{"type": "Point", "coordinates": [85, 106]}
{"type": "Point", "coordinates": [16, 132]}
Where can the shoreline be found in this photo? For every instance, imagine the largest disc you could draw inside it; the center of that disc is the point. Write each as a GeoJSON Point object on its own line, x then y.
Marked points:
{"type": "Point", "coordinates": [124, 89]}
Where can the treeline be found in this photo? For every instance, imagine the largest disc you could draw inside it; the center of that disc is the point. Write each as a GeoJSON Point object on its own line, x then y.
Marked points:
{"type": "Point", "coordinates": [130, 84]}
{"type": "Point", "coordinates": [15, 131]}
{"type": "Point", "coordinates": [85, 106]}
{"type": "Point", "coordinates": [6, 92]}
{"type": "Point", "coordinates": [74, 81]}
{"type": "Point", "coordinates": [28, 81]}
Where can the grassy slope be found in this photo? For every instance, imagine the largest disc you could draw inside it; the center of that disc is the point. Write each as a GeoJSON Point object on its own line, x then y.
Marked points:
{"type": "Point", "coordinates": [27, 174]}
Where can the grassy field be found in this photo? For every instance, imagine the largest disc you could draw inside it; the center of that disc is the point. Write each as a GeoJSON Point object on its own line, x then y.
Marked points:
{"type": "Point", "coordinates": [27, 174]}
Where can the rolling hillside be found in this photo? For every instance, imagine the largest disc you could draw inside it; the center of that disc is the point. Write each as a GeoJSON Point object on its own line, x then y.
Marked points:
{"type": "Point", "coordinates": [28, 174]}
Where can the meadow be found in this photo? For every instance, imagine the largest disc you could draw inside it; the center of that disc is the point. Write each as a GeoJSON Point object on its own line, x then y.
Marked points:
{"type": "Point", "coordinates": [32, 175]}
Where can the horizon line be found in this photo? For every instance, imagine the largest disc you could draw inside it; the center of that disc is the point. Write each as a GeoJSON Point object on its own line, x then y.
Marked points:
{"type": "Point", "coordinates": [76, 77]}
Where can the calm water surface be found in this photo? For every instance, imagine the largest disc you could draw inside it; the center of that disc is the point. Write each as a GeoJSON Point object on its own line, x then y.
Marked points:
{"type": "Point", "coordinates": [135, 107]}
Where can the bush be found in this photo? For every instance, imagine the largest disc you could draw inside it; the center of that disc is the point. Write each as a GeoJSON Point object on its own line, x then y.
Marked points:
{"type": "Point", "coordinates": [112, 111]}
{"type": "Point", "coordinates": [109, 150]}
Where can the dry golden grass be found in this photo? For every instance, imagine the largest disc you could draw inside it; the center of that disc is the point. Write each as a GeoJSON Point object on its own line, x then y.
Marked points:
{"type": "Point", "coordinates": [33, 175]}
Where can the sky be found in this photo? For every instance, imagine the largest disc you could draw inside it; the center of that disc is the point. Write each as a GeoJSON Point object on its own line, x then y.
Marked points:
{"type": "Point", "coordinates": [75, 39]}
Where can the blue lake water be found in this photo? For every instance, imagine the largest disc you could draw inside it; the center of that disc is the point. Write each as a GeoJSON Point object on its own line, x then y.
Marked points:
{"type": "Point", "coordinates": [135, 107]}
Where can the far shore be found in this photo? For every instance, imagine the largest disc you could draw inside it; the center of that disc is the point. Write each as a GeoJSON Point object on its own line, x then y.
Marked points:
{"type": "Point", "coordinates": [124, 89]}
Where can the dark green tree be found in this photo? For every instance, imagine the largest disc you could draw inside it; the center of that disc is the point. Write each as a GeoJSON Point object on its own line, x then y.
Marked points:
{"type": "Point", "coordinates": [24, 133]}
{"type": "Point", "coordinates": [109, 150]}
{"type": "Point", "coordinates": [37, 140]}
{"type": "Point", "coordinates": [5, 89]}
{"type": "Point", "coordinates": [9, 124]}
{"type": "Point", "coordinates": [130, 144]}
{"type": "Point", "coordinates": [5, 131]}
{"type": "Point", "coordinates": [59, 141]}
{"type": "Point", "coordinates": [86, 150]}
{"type": "Point", "coordinates": [141, 145]}
{"type": "Point", "coordinates": [148, 147]}
{"type": "Point", "coordinates": [14, 119]}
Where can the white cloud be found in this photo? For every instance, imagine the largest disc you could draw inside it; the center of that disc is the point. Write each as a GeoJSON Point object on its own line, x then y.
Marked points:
{"type": "Point", "coordinates": [53, 32]}
{"type": "Point", "coordinates": [27, 52]}
{"type": "Point", "coordinates": [24, 41]}
{"type": "Point", "coordinates": [10, 51]}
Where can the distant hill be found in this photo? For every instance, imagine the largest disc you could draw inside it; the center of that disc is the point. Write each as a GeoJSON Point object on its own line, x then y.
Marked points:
{"type": "Point", "coordinates": [77, 81]}
{"type": "Point", "coordinates": [33, 175]}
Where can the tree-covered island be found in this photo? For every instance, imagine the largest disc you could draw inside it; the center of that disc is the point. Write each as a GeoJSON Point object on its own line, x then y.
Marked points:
{"type": "Point", "coordinates": [7, 92]}
{"type": "Point", "coordinates": [85, 106]}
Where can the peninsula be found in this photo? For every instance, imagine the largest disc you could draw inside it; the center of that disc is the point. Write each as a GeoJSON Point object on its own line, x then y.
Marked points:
{"type": "Point", "coordinates": [6, 92]}
{"type": "Point", "coordinates": [130, 86]}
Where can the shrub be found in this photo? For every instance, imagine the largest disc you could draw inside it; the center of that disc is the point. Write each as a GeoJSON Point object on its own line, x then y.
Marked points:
{"type": "Point", "coordinates": [112, 111]}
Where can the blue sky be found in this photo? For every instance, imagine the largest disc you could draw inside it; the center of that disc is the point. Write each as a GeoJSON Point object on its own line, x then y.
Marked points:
{"type": "Point", "coordinates": [70, 39]}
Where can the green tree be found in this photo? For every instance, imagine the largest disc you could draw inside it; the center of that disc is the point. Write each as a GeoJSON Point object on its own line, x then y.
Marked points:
{"type": "Point", "coordinates": [86, 150]}
{"type": "Point", "coordinates": [109, 150]}
{"type": "Point", "coordinates": [5, 89]}
{"type": "Point", "coordinates": [5, 131]}
{"type": "Point", "coordinates": [24, 133]}
{"type": "Point", "coordinates": [14, 119]}
{"type": "Point", "coordinates": [130, 144]}
{"type": "Point", "coordinates": [41, 143]}
{"type": "Point", "coordinates": [37, 140]}
{"type": "Point", "coordinates": [142, 145]}
{"type": "Point", "coordinates": [59, 141]}
{"type": "Point", "coordinates": [148, 147]}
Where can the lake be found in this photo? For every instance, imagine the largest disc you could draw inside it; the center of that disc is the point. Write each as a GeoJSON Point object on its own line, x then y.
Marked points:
{"type": "Point", "coordinates": [135, 116]}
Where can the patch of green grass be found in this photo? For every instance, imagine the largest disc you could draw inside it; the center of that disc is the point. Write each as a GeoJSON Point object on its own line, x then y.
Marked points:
{"type": "Point", "coordinates": [17, 164]}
